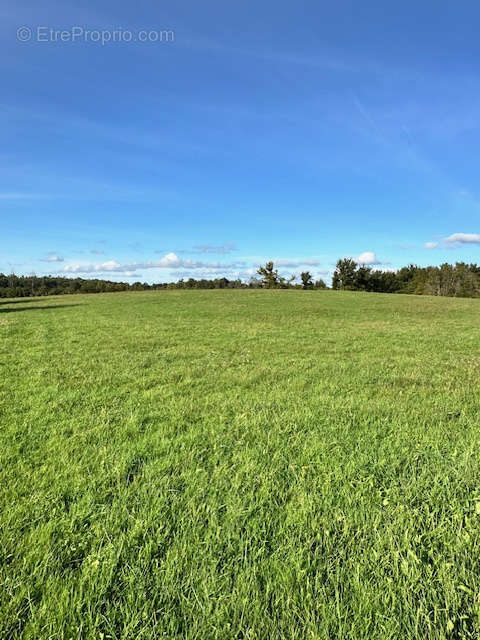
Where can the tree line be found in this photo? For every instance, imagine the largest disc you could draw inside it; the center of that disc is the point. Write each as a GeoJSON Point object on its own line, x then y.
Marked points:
{"type": "Point", "coordinates": [12, 286]}
{"type": "Point", "coordinates": [458, 280]}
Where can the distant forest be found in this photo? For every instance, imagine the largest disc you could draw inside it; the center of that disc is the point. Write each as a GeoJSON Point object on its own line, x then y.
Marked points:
{"type": "Point", "coordinates": [458, 280]}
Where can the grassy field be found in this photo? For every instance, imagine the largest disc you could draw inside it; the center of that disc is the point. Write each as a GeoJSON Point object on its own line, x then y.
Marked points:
{"type": "Point", "coordinates": [239, 464]}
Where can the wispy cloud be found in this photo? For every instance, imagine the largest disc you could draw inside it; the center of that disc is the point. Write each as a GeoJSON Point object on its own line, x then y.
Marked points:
{"type": "Point", "coordinates": [227, 247]}
{"type": "Point", "coordinates": [294, 263]}
{"type": "Point", "coordinates": [362, 110]}
{"type": "Point", "coordinates": [221, 249]}
{"type": "Point", "coordinates": [52, 257]}
{"type": "Point", "coordinates": [323, 60]}
{"type": "Point", "coordinates": [455, 240]}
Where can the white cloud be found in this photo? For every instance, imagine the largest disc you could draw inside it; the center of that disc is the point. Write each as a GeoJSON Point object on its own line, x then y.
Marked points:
{"type": "Point", "coordinates": [463, 238]}
{"type": "Point", "coordinates": [103, 267]}
{"type": "Point", "coordinates": [455, 240]}
{"type": "Point", "coordinates": [183, 267]}
{"type": "Point", "coordinates": [368, 257]}
{"type": "Point", "coordinates": [169, 261]}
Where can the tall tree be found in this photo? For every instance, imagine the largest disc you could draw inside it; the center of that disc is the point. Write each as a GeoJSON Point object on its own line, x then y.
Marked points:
{"type": "Point", "coordinates": [344, 274]}
{"type": "Point", "coordinates": [307, 280]}
{"type": "Point", "coordinates": [269, 275]}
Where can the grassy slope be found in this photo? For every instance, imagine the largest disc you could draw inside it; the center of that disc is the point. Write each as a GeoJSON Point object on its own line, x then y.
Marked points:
{"type": "Point", "coordinates": [239, 464]}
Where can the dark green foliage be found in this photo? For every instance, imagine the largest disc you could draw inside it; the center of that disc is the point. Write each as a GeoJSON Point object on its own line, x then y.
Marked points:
{"type": "Point", "coordinates": [460, 280]}
{"type": "Point", "coordinates": [344, 276]}
{"type": "Point", "coordinates": [306, 278]}
{"type": "Point", "coordinates": [269, 276]}
{"type": "Point", "coordinates": [13, 286]}
{"type": "Point", "coordinates": [271, 279]}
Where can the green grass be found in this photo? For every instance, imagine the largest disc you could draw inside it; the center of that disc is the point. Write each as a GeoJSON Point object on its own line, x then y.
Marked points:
{"type": "Point", "coordinates": [240, 464]}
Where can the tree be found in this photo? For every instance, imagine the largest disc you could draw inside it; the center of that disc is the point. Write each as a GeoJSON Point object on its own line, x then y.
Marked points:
{"type": "Point", "coordinates": [254, 283]}
{"type": "Point", "coordinates": [362, 278]}
{"type": "Point", "coordinates": [344, 274]}
{"type": "Point", "coordinates": [460, 279]}
{"type": "Point", "coordinates": [306, 278]}
{"type": "Point", "coordinates": [269, 275]}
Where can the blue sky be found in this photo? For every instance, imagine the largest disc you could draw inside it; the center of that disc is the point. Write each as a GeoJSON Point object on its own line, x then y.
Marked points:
{"type": "Point", "coordinates": [300, 132]}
